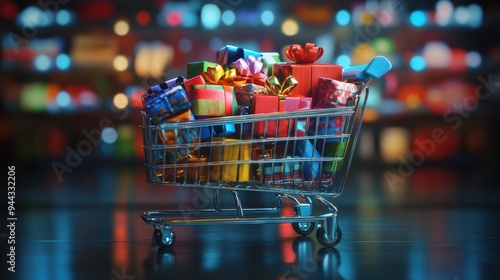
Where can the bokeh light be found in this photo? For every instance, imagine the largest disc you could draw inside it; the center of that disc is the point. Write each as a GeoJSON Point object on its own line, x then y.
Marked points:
{"type": "Point", "coordinates": [418, 18]}
{"type": "Point", "coordinates": [475, 15]}
{"type": "Point", "coordinates": [461, 15]}
{"type": "Point", "coordinates": [344, 60]}
{"type": "Point", "coordinates": [383, 46]}
{"type": "Point", "coordinates": [87, 98]}
{"type": "Point", "coordinates": [365, 17]}
{"type": "Point", "coordinates": [189, 19]}
{"type": "Point", "coordinates": [63, 17]}
{"type": "Point", "coordinates": [394, 143]}
{"type": "Point", "coordinates": [42, 63]}
{"type": "Point", "coordinates": [228, 17]}
{"type": "Point", "coordinates": [210, 16]}
{"type": "Point", "coordinates": [290, 27]}
{"type": "Point", "coordinates": [109, 135]}
{"type": "Point", "coordinates": [267, 17]}
{"type": "Point", "coordinates": [33, 16]}
{"type": "Point", "coordinates": [473, 59]}
{"type": "Point", "coordinates": [143, 17]}
{"type": "Point", "coordinates": [120, 100]}
{"type": "Point", "coordinates": [362, 54]}
{"type": "Point", "coordinates": [385, 17]}
{"type": "Point", "coordinates": [444, 12]}
{"type": "Point", "coordinates": [63, 99]}
{"type": "Point", "coordinates": [120, 63]}
{"type": "Point", "coordinates": [121, 28]}
{"type": "Point", "coordinates": [63, 62]}
{"type": "Point", "coordinates": [174, 18]}
{"type": "Point", "coordinates": [343, 17]}
{"type": "Point", "coordinates": [417, 63]}
{"type": "Point", "coordinates": [33, 97]}
{"type": "Point", "coordinates": [436, 55]}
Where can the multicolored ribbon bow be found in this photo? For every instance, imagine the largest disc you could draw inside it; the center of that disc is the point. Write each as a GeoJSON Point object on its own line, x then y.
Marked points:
{"type": "Point", "coordinates": [274, 87]}
{"type": "Point", "coordinates": [215, 75]}
{"type": "Point", "coordinates": [250, 70]}
{"type": "Point", "coordinates": [309, 54]}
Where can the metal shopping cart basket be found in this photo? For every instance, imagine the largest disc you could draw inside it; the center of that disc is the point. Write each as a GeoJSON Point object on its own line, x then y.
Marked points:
{"type": "Point", "coordinates": [308, 163]}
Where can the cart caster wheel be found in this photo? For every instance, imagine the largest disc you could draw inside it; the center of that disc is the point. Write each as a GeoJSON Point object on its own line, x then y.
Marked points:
{"type": "Point", "coordinates": [321, 236]}
{"type": "Point", "coordinates": [304, 228]}
{"type": "Point", "coordinates": [166, 240]}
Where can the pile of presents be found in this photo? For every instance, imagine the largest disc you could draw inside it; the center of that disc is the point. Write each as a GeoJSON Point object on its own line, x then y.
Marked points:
{"type": "Point", "coordinates": [244, 82]}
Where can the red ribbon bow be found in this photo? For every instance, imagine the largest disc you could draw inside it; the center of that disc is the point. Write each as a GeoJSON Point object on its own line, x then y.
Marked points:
{"type": "Point", "coordinates": [309, 54]}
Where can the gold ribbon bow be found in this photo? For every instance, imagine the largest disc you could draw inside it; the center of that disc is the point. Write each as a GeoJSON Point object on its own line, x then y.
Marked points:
{"type": "Point", "coordinates": [215, 75]}
{"type": "Point", "coordinates": [274, 87]}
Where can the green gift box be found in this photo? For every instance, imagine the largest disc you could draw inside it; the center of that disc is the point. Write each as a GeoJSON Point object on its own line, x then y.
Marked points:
{"type": "Point", "coordinates": [197, 67]}
{"type": "Point", "coordinates": [269, 59]}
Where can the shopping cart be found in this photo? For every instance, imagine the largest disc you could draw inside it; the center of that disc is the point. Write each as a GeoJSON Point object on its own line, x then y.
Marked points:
{"type": "Point", "coordinates": [309, 162]}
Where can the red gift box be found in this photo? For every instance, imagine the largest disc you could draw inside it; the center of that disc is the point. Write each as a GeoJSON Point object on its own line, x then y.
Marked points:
{"type": "Point", "coordinates": [305, 71]}
{"type": "Point", "coordinates": [307, 75]}
{"type": "Point", "coordinates": [263, 103]}
{"type": "Point", "coordinates": [197, 80]}
{"type": "Point", "coordinates": [212, 100]}
{"type": "Point", "coordinates": [333, 93]}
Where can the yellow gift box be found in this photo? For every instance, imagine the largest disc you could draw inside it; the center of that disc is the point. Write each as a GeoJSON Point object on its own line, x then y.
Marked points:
{"type": "Point", "coordinates": [230, 150]}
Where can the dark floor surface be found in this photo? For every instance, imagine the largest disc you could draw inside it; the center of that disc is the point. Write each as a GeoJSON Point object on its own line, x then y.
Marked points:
{"type": "Point", "coordinates": [437, 223]}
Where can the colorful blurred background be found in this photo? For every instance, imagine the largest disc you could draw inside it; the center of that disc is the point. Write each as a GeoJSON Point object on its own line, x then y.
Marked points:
{"type": "Point", "coordinates": [73, 70]}
{"type": "Point", "coordinates": [72, 73]}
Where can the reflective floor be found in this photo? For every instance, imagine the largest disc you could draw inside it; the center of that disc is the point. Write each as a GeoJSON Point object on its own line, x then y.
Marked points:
{"type": "Point", "coordinates": [438, 223]}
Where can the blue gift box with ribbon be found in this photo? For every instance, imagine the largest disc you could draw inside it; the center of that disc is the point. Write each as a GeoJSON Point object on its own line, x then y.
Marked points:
{"type": "Point", "coordinates": [229, 54]}
{"type": "Point", "coordinates": [160, 88]}
{"type": "Point", "coordinates": [167, 103]}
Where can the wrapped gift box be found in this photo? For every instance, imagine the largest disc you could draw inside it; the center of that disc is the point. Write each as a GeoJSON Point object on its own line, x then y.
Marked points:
{"type": "Point", "coordinates": [209, 132]}
{"type": "Point", "coordinates": [281, 171]}
{"type": "Point", "coordinates": [263, 103]}
{"type": "Point", "coordinates": [307, 75]}
{"type": "Point", "coordinates": [333, 126]}
{"type": "Point", "coordinates": [305, 70]}
{"type": "Point", "coordinates": [245, 93]}
{"type": "Point", "coordinates": [310, 169]}
{"type": "Point", "coordinates": [196, 80]}
{"type": "Point", "coordinates": [167, 103]}
{"type": "Point", "coordinates": [229, 54]}
{"type": "Point", "coordinates": [212, 101]}
{"type": "Point", "coordinates": [333, 93]}
{"type": "Point", "coordinates": [269, 59]}
{"type": "Point", "coordinates": [160, 88]}
{"type": "Point", "coordinates": [230, 150]}
{"type": "Point", "coordinates": [336, 150]}
{"type": "Point", "coordinates": [196, 68]}
{"type": "Point", "coordinates": [173, 137]}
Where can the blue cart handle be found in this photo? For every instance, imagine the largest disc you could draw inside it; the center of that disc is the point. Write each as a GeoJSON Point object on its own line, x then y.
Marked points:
{"type": "Point", "coordinates": [362, 73]}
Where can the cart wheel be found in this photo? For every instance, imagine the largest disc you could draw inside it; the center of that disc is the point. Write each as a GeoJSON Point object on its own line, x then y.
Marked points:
{"type": "Point", "coordinates": [321, 236]}
{"type": "Point", "coordinates": [165, 240]}
{"type": "Point", "coordinates": [304, 228]}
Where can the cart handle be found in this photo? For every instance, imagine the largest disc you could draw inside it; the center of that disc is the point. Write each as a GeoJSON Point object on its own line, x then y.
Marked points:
{"type": "Point", "coordinates": [362, 73]}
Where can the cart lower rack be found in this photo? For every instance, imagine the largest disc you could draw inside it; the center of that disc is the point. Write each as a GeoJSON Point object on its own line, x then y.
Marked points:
{"type": "Point", "coordinates": [310, 162]}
